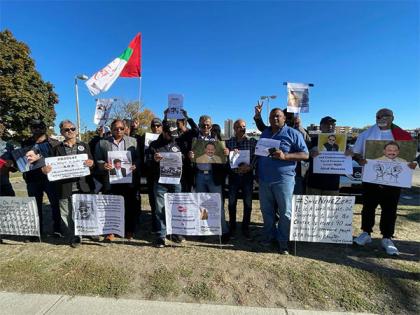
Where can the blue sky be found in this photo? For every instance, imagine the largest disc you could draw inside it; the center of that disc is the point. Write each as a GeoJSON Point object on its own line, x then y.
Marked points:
{"type": "Point", "coordinates": [360, 55]}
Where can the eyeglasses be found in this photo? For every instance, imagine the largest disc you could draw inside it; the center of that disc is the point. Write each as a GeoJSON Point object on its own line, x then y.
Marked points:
{"type": "Point", "coordinates": [383, 116]}
{"type": "Point", "coordinates": [118, 128]}
{"type": "Point", "coordinates": [69, 129]}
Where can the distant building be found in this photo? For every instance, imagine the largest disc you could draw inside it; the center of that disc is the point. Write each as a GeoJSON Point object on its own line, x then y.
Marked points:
{"type": "Point", "coordinates": [228, 128]}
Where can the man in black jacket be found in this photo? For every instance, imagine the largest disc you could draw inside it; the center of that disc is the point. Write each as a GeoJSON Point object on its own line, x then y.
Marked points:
{"type": "Point", "coordinates": [67, 187]}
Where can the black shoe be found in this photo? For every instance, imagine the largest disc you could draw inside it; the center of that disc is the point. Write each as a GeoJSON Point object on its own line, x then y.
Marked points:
{"type": "Point", "coordinates": [283, 248]}
{"type": "Point", "coordinates": [177, 238]}
{"type": "Point", "coordinates": [94, 238]}
{"type": "Point", "coordinates": [225, 238]}
{"type": "Point", "coordinates": [31, 239]}
{"type": "Point", "coordinates": [159, 243]}
{"type": "Point", "coordinates": [76, 242]}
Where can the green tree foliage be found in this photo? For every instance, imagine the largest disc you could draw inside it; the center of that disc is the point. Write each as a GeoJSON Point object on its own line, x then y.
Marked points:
{"type": "Point", "coordinates": [23, 94]}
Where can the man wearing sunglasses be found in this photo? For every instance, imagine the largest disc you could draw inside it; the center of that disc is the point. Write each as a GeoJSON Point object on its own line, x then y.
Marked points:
{"type": "Point", "coordinates": [373, 195]}
{"type": "Point", "coordinates": [118, 141]}
{"type": "Point", "coordinates": [67, 187]}
{"type": "Point", "coordinates": [37, 182]}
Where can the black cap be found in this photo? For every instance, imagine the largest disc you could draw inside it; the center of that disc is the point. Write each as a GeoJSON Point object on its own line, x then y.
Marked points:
{"type": "Point", "coordinates": [37, 122]}
{"type": "Point", "coordinates": [156, 121]}
{"type": "Point", "coordinates": [170, 127]}
{"type": "Point", "coordinates": [326, 120]}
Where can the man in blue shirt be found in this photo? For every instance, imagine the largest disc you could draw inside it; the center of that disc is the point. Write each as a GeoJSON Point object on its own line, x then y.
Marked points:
{"type": "Point", "coordinates": [276, 174]}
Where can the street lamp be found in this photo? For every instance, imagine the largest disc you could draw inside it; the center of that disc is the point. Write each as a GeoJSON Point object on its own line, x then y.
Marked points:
{"type": "Point", "coordinates": [266, 97]}
{"type": "Point", "coordinates": [83, 77]}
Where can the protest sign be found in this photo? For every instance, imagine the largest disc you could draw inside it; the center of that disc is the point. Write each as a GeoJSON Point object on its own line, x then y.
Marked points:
{"type": "Point", "coordinates": [175, 105]}
{"type": "Point", "coordinates": [170, 168]}
{"type": "Point", "coordinates": [332, 142]}
{"type": "Point", "coordinates": [148, 138]}
{"type": "Point", "coordinates": [389, 173]}
{"type": "Point", "coordinates": [323, 219]}
{"type": "Point", "coordinates": [69, 166]}
{"type": "Point", "coordinates": [19, 216]}
{"type": "Point", "coordinates": [329, 162]}
{"type": "Point", "coordinates": [208, 151]}
{"type": "Point", "coordinates": [264, 145]}
{"type": "Point", "coordinates": [297, 98]}
{"type": "Point", "coordinates": [31, 157]}
{"type": "Point", "coordinates": [98, 214]}
{"type": "Point", "coordinates": [193, 213]}
{"type": "Point", "coordinates": [405, 150]}
{"type": "Point", "coordinates": [102, 111]}
{"type": "Point", "coordinates": [237, 158]}
{"type": "Point", "coordinates": [121, 172]}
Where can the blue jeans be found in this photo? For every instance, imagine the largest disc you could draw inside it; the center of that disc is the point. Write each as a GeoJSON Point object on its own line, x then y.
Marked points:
{"type": "Point", "coordinates": [282, 194]}
{"type": "Point", "coordinates": [159, 192]}
{"type": "Point", "coordinates": [36, 189]}
{"type": "Point", "coordinates": [243, 182]}
{"type": "Point", "coordinates": [204, 183]}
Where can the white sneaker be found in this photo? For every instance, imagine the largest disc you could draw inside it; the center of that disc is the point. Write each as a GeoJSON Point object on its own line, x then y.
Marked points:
{"type": "Point", "coordinates": [363, 239]}
{"type": "Point", "coordinates": [389, 247]}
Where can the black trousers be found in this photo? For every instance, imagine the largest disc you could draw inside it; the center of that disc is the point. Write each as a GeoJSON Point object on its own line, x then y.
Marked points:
{"type": "Point", "coordinates": [385, 196]}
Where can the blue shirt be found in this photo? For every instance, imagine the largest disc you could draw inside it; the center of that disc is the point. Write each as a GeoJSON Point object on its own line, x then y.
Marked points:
{"type": "Point", "coordinates": [274, 170]}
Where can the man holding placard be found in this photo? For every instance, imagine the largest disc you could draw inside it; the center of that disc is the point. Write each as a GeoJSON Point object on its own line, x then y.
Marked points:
{"type": "Point", "coordinates": [276, 172]}
{"type": "Point", "coordinates": [69, 186]}
{"type": "Point", "coordinates": [376, 194]}
{"type": "Point", "coordinates": [241, 177]}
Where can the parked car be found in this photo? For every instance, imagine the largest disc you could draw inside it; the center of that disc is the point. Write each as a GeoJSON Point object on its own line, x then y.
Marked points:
{"type": "Point", "coordinates": [351, 185]}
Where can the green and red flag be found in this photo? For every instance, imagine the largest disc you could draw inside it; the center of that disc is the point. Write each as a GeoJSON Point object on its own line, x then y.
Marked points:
{"type": "Point", "coordinates": [127, 65]}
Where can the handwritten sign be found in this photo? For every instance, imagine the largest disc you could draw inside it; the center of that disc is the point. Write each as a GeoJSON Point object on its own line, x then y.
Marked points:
{"type": "Point", "coordinates": [328, 162]}
{"type": "Point", "coordinates": [98, 214]}
{"type": "Point", "coordinates": [324, 219]}
{"type": "Point", "coordinates": [193, 213]}
{"type": "Point", "coordinates": [19, 216]}
{"type": "Point", "coordinates": [69, 166]}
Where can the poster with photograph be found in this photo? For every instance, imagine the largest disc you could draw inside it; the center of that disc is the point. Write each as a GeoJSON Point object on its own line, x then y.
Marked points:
{"type": "Point", "coordinates": [32, 157]}
{"type": "Point", "coordinates": [102, 111]}
{"type": "Point", "coordinates": [264, 145]}
{"type": "Point", "coordinates": [297, 98]}
{"type": "Point", "coordinates": [400, 151]}
{"type": "Point", "coordinates": [19, 216]}
{"type": "Point", "coordinates": [322, 219]}
{"type": "Point", "coordinates": [69, 166]}
{"type": "Point", "coordinates": [332, 142]}
{"type": "Point", "coordinates": [121, 172]}
{"type": "Point", "coordinates": [175, 105]}
{"type": "Point", "coordinates": [170, 168]}
{"type": "Point", "coordinates": [239, 157]}
{"type": "Point", "coordinates": [98, 214]}
{"type": "Point", "coordinates": [208, 151]}
{"type": "Point", "coordinates": [193, 213]}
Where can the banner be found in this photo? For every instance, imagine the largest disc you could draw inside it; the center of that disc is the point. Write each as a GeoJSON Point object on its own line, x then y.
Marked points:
{"type": "Point", "coordinates": [102, 111]}
{"type": "Point", "coordinates": [170, 168]}
{"type": "Point", "coordinates": [323, 219]}
{"type": "Point", "coordinates": [193, 213]}
{"type": "Point", "coordinates": [297, 98]}
{"type": "Point", "coordinates": [98, 214]}
{"type": "Point", "coordinates": [121, 172]}
{"type": "Point", "coordinates": [69, 166]}
{"type": "Point", "coordinates": [19, 216]}
{"type": "Point", "coordinates": [175, 104]}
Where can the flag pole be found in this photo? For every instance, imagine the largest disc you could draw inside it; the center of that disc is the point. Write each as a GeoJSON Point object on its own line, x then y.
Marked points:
{"type": "Point", "coordinates": [140, 91]}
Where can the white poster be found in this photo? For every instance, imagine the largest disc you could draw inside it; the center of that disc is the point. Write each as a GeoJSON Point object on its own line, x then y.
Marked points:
{"type": "Point", "coordinates": [264, 145]}
{"type": "Point", "coordinates": [170, 168]}
{"type": "Point", "coordinates": [121, 172]}
{"type": "Point", "coordinates": [193, 213]}
{"type": "Point", "coordinates": [388, 173]}
{"type": "Point", "coordinates": [236, 158]}
{"type": "Point", "coordinates": [19, 216]}
{"type": "Point", "coordinates": [102, 111]}
{"type": "Point", "coordinates": [297, 98]}
{"type": "Point", "coordinates": [69, 166]}
{"type": "Point", "coordinates": [323, 219]}
{"type": "Point", "coordinates": [330, 162]}
{"type": "Point", "coordinates": [148, 138]}
{"type": "Point", "coordinates": [175, 105]}
{"type": "Point", "coordinates": [98, 214]}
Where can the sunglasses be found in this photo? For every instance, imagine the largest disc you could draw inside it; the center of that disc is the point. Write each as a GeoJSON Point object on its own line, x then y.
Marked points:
{"type": "Point", "coordinates": [69, 129]}
{"type": "Point", "coordinates": [118, 128]}
{"type": "Point", "coordinates": [156, 126]}
{"type": "Point", "coordinates": [383, 116]}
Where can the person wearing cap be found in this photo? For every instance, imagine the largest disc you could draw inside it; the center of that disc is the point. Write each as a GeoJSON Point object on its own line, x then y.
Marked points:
{"type": "Point", "coordinates": [321, 184]}
{"type": "Point", "coordinates": [76, 185]}
{"type": "Point", "coordinates": [167, 142]}
{"type": "Point", "coordinates": [374, 194]}
{"type": "Point", "coordinates": [37, 182]}
{"type": "Point", "coordinates": [119, 142]}
{"type": "Point", "coordinates": [276, 174]}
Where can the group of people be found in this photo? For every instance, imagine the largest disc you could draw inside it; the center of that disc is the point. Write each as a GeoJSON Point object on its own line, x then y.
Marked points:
{"type": "Point", "coordinates": [279, 174]}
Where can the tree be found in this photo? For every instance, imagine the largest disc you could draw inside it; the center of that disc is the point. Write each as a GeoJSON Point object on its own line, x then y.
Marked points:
{"type": "Point", "coordinates": [134, 110]}
{"type": "Point", "coordinates": [23, 94]}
